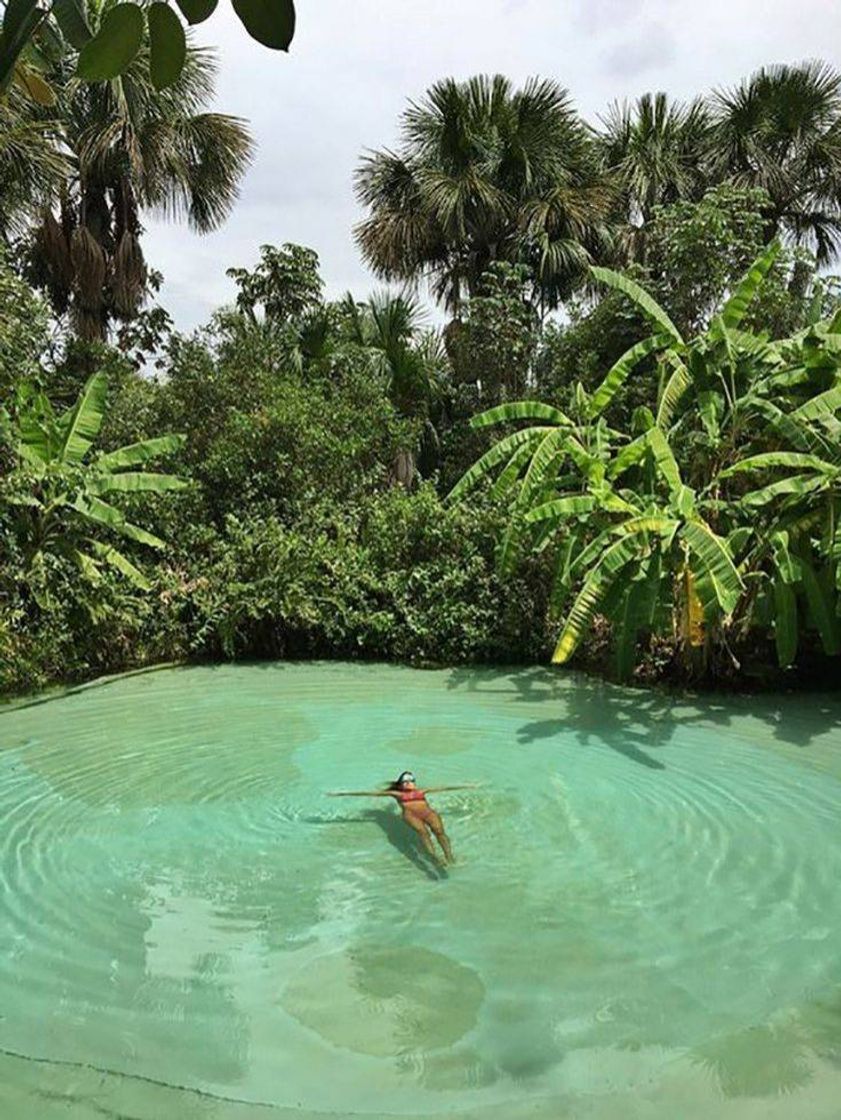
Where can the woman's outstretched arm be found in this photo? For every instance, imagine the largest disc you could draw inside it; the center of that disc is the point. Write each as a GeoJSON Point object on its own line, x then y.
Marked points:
{"type": "Point", "coordinates": [363, 793]}
{"type": "Point", "coordinates": [442, 789]}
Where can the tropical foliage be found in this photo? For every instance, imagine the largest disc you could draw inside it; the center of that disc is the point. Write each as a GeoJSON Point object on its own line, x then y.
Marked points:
{"type": "Point", "coordinates": [486, 173]}
{"type": "Point", "coordinates": [657, 529]}
{"type": "Point", "coordinates": [108, 44]}
{"type": "Point", "coordinates": [131, 149]}
{"type": "Point", "coordinates": [60, 499]}
{"type": "Point", "coordinates": [664, 503]}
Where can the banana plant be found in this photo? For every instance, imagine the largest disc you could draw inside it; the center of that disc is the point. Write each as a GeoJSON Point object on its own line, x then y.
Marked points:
{"type": "Point", "coordinates": [651, 559]}
{"type": "Point", "coordinates": [62, 493]}
{"type": "Point", "coordinates": [798, 557]}
{"type": "Point", "coordinates": [725, 373]}
{"type": "Point", "coordinates": [685, 550]}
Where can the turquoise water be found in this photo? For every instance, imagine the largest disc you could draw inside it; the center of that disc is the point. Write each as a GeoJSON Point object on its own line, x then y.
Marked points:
{"type": "Point", "coordinates": [644, 922]}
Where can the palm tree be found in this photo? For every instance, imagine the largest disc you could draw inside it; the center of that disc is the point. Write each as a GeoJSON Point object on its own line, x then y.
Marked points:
{"type": "Point", "coordinates": [485, 172]}
{"type": "Point", "coordinates": [780, 130]}
{"type": "Point", "coordinates": [134, 149]}
{"type": "Point", "coordinates": [655, 148]}
{"type": "Point", "coordinates": [410, 359]}
{"type": "Point", "coordinates": [31, 164]}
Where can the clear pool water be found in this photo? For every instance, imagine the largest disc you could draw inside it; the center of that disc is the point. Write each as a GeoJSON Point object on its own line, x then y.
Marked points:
{"type": "Point", "coordinates": [644, 922]}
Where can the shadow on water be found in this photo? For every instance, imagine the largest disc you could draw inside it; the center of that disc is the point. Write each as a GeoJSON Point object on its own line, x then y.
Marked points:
{"type": "Point", "coordinates": [634, 722]}
{"type": "Point", "coordinates": [396, 833]}
{"type": "Point", "coordinates": [546, 728]}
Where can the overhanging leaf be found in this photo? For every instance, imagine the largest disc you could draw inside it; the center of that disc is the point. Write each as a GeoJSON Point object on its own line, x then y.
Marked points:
{"type": "Point", "coordinates": [20, 20]}
{"type": "Point", "coordinates": [674, 390]}
{"type": "Point", "coordinates": [589, 599]}
{"type": "Point", "coordinates": [71, 18]}
{"type": "Point", "coordinates": [114, 46]}
{"type": "Point", "coordinates": [560, 508]}
{"type": "Point", "coordinates": [197, 11]}
{"type": "Point", "coordinates": [167, 45]}
{"type": "Point", "coordinates": [821, 607]}
{"type": "Point", "coordinates": [768, 459]}
{"type": "Point", "coordinates": [821, 406]}
{"type": "Point", "coordinates": [270, 22]}
{"type": "Point", "coordinates": [492, 458]}
{"type": "Point", "coordinates": [664, 458]}
{"type": "Point", "coordinates": [96, 510]}
{"type": "Point", "coordinates": [508, 477]}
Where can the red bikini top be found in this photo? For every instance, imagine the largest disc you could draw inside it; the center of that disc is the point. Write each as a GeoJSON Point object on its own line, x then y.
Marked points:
{"type": "Point", "coordinates": [411, 795]}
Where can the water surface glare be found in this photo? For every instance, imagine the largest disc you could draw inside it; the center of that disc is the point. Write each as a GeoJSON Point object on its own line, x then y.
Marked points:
{"type": "Point", "coordinates": [644, 922]}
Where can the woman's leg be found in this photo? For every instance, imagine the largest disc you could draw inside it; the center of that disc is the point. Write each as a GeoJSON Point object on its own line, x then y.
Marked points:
{"type": "Point", "coordinates": [420, 827]}
{"type": "Point", "coordinates": [437, 826]}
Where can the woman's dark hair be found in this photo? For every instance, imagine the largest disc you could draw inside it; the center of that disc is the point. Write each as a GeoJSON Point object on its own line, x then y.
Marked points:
{"type": "Point", "coordinates": [407, 775]}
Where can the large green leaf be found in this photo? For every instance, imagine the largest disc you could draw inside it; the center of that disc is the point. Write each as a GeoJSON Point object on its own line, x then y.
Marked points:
{"type": "Point", "coordinates": [136, 482]}
{"type": "Point", "coordinates": [544, 461]}
{"type": "Point", "coordinates": [520, 410]}
{"type": "Point", "coordinates": [509, 475]}
{"type": "Point", "coordinates": [563, 575]}
{"type": "Point", "coordinates": [787, 564]}
{"type": "Point", "coordinates": [197, 11]}
{"type": "Point", "coordinates": [799, 485]}
{"type": "Point", "coordinates": [36, 445]}
{"type": "Point", "coordinates": [547, 455]}
{"type": "Point", "coordinates": [113, 48]}
{"type": "Point", "coordinates": [793, 430]}
{"type": "Point", "coordinates": [821, 600]}
{"type": "Point", "coordinates": [664, 458]}
{"type": "Point", "coordinates": [674, 390]}
{"type": "Point", "coordinates": [617, 375]}
{"type": "Point", "coordinates": [270, 22]}
{"type": "Point", "coordinates": [649, 307]}
{"type": "Point", "coordinates": [716, 563]}
{"type": "Point", "coordinates": [83, 422]}
{"type": "Point", "coordinates": [630, 455]}
{"type": "Point", "coordinates": [96, 510]}
{"type": "Point", "coordinates": [560, 508]}
{"type": "Point", "coordinates": [635, 615]}
{"type": "Point", "coordinates": [492, 458]}
{"type": "Point", "coordinates": [133, 454]}
{"type": "Point", "coordinates": [737, 305]}
{"type": "Point", "coordinates": [109, 555]}
{"type": "Point", "coordinates": [71, 17]}
{"type": "Point", "coordinates": [793, 459]}
{"type": "Point", "coordinates": [589, 599]}
{"type": "Point", "coordinates": [785, 623]}
{"type": "Point", "coordinates": [20, 20]}
{"type": "Point", "coordinates": [819, 407]}
{"type": "Point", "coordinates": [167, 45]}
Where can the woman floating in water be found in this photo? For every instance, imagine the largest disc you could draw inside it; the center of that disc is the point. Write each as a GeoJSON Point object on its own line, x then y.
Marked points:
{"type": "Point", "coordinates": [416, 812]}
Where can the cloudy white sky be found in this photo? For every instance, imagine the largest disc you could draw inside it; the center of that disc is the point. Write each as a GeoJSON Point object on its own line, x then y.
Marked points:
{"type": "Point", "coordinates": [352, 67]}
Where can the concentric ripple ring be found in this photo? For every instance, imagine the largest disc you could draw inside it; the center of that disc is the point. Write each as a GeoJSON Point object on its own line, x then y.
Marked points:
{"type": "Point", "coordinates": [643, 919]}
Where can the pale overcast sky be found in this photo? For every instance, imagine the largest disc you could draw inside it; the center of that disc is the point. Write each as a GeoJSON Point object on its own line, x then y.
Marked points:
{"type": "Point", "coordinates": [352, 67]}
